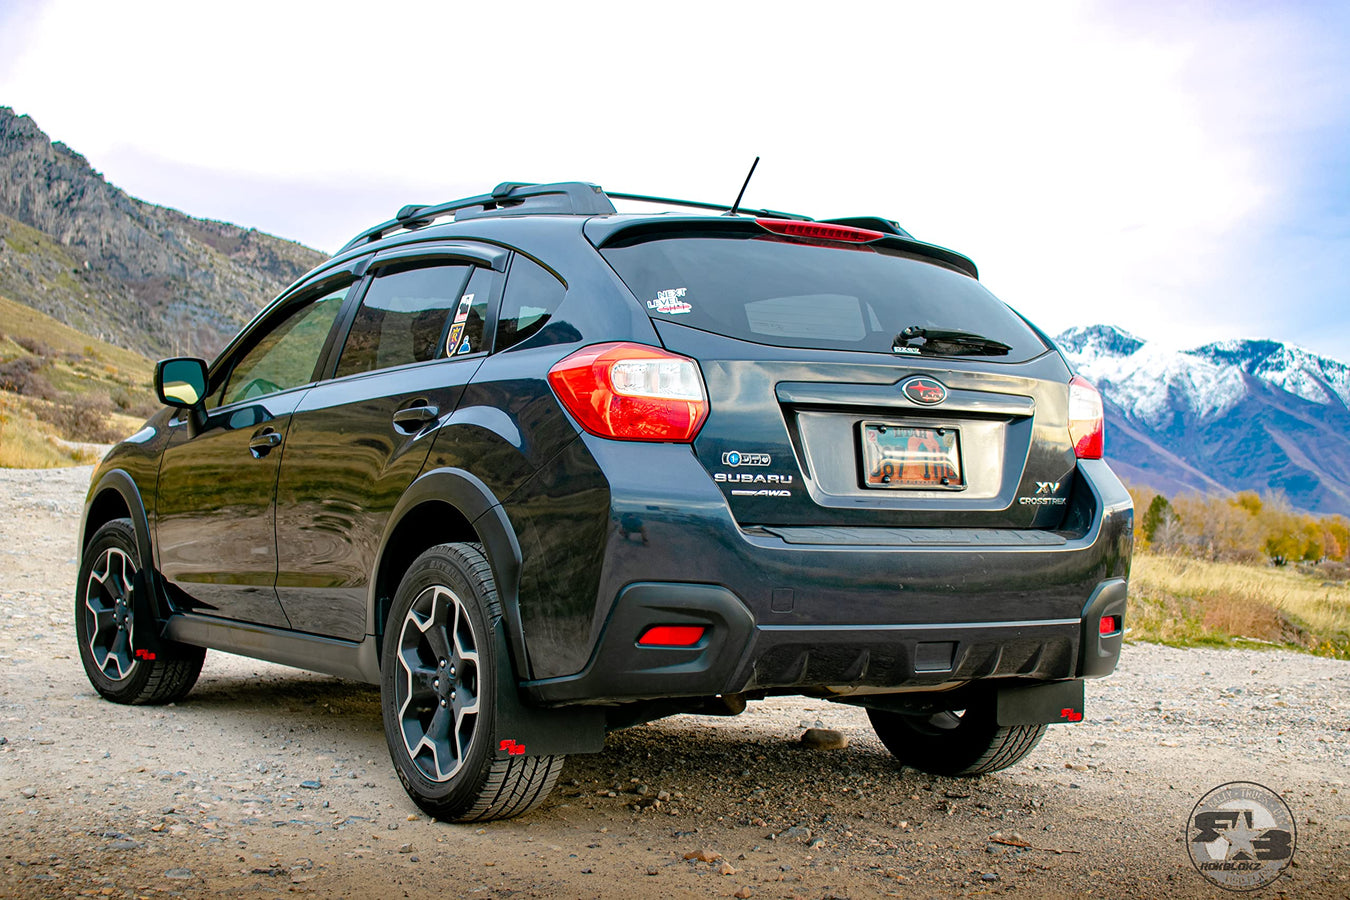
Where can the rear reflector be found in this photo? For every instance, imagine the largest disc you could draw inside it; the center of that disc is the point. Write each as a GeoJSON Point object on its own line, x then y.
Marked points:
{"type": "Point", "coordinates": [1108, 625]}
{"type": "Point", "coordinates": [632, 392]}
{"type": "Point", "coordinates": [1087, 423]}
{"type": "Point", "coordinates": [819, 232]}
{"type": "Point", "coordinates": [672, 636]}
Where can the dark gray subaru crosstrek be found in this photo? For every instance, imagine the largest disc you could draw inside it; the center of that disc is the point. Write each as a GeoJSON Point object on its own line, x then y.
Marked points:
{"type": "Point", "coordinates": [541, 470]}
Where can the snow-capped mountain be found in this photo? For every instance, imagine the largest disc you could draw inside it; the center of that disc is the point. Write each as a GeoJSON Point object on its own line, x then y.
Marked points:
{"type": "Point", "coordinates": [1228, 416]}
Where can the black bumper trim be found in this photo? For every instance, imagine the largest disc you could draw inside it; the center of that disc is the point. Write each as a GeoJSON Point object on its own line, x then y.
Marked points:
{"type": "Point", "coordinates": [936, 626]}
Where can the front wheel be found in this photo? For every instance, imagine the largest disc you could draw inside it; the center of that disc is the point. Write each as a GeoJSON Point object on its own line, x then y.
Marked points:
{"type": "Point", "coordinates": [106, 626]}
{"type": "Point", "coordinates": [438, 691]}
{"type": "Point", "coordinates": [965, 742]}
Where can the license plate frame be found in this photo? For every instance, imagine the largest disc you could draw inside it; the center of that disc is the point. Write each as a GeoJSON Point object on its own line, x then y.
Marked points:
{"type": "Point", "coordinates": [900, 456]}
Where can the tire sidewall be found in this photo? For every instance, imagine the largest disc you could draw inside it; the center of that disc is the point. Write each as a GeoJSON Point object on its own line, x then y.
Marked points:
{"type": "Point", "coordinates": [931, 750]}
{"type": "Point", "coordinates": [443, 566]}
{"type": "Point", "coordinates": [115, 535]}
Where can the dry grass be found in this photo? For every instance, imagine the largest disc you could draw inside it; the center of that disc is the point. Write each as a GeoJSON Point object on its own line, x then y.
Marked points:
{"type": "Point", "coordinates": [58, 383]}
{"type": "Point", "coordinates": [26, 443]}
{"type": "Point", "coordinates": [1175, 600]}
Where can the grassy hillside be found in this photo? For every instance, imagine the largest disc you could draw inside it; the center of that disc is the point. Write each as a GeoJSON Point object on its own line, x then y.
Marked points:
{"type": "Point", "coordinates": [1188, 602]}
{"type": "Point", "coordinates": [59, 387]}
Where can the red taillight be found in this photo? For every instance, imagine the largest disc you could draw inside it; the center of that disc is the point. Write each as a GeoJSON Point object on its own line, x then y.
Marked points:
{"type": "Point", "coordinates": [672, 636]}
{"type": "Point", "coordinates": [818, 231]}
{"type": "Point", "coordinates": [632, 392]}
{"type": "Point", "coordinates": [1086, 419]}
{"type": "Point", "coordinates": [1109, 625]}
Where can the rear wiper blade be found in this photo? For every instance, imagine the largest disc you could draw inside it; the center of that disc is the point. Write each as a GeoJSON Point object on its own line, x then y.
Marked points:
{"type": "Point", "coordinates": [918, 340]}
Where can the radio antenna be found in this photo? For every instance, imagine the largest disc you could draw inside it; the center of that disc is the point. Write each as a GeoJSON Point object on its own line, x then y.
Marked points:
{"type": "Point", "coordinates": [737, 205]}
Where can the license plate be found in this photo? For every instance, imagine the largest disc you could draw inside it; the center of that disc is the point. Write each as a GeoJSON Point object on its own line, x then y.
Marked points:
{"type": "Point", "coordinates": [909, 456]}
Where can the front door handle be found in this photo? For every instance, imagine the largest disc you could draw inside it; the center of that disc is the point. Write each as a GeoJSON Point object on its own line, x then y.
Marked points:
{"type": "Point", "coordinates": [262, 443]}
{"type": "Point", "coordinates": [414, 417]}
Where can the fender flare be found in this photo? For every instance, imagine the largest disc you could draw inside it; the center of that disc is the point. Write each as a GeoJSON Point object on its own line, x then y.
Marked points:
{"type": "Point", "coordinates": [119, 481]}
{"type": "Point", "coordinates": [475, 500]}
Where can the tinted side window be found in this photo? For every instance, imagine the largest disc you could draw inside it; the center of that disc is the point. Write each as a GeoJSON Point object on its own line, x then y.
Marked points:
{"type": "Point", "coordinates": [532, 296]}
{"type": "Point", "coordinates": [403, 318]}
{"type": "Point", "coordinates": [286, 354]}
{"type": "Point", "coordinates": [466, 330]}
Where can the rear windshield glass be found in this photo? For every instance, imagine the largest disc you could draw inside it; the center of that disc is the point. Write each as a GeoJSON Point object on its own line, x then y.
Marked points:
{"type": "Point", "coordinates": [773, 290]}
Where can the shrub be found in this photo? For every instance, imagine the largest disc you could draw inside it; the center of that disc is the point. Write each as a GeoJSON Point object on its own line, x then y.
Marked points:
{"type": "Point", "coordinates": [35, 347]}
{"type": "Point", "coordinates": [84, 418]}
{"type": "Point", "coordinates": [24, 376]}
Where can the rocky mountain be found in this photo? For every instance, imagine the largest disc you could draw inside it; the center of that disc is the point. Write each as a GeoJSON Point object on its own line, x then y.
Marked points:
{"type": "Point", "coordinates": [142, 276]}
{"type": "Point", "coordinates": [1224, 417]}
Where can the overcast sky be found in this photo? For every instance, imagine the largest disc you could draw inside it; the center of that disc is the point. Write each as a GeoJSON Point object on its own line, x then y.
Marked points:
{"type": "Point", "coordinates": [1179, 169]}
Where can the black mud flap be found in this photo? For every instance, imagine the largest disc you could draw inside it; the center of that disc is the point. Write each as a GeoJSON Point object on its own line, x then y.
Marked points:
{"type": "Point", "coordinates": [1041, 704]}
{"type": "Point", "coordinates": [147, 642]}
{"type": "Point", "coordinates": [524, 730]}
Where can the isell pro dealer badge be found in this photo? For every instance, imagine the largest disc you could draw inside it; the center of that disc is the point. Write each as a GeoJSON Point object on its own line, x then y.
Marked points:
{"type": "Point", "coordinates": [1241, 836]}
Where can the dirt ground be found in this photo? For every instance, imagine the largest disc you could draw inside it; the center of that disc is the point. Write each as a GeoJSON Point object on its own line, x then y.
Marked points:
{"type": "Point", "coordinates": [270, 781]}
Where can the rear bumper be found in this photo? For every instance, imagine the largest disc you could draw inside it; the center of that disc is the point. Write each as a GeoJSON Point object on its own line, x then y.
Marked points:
{"type": "Point", "coordinates": [844, 611]}
{"type": "Point", "coordinates": [737, 654]}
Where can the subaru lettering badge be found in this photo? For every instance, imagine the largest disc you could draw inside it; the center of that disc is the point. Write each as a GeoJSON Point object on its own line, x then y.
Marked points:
{"type": "Point", "coordinates": [924, 390]}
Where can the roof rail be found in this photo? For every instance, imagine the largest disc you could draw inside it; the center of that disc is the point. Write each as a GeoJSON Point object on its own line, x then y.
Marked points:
{"type": "Point", "coordinates": [575, 198]}
{"type": "Point", "coordinates": [568, 198]}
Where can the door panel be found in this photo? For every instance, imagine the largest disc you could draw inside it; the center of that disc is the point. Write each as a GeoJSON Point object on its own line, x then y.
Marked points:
{"type": "Point", "coordinates": [215, 532]}
{"type": "Point", "coordinates": [215, 523]}
{"type": "Point", "coordinates": [347, 463]}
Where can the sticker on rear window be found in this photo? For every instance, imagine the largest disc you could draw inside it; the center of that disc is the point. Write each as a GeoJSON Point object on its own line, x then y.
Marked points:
{"type": "Point", "coordinates": [465, 304]}
{"type": "Point", "coordinates": [451, 342]}
{"type": "Point", "coordinates": [670, 302]}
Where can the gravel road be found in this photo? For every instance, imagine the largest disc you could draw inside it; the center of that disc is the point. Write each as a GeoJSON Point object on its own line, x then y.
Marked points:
{"type": "Point", "coordinates": [270, 781]}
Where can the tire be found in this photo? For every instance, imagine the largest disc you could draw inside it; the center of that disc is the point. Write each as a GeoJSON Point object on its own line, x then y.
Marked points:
{"type": "Point", "coordinates": [105, 627]}
{"type": "Point", "coordinates": [970, 742]}
{"type": "Point", "coordinates": [438, 690]}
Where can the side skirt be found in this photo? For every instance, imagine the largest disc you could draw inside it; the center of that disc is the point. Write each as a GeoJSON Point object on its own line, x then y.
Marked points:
{"type": "Point", "coordinates": [357, 660]}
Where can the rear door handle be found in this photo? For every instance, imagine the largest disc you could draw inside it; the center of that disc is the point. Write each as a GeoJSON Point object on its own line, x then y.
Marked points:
{"type": "Point", "coordinates": [263, 442]}
{"type": "Point", "coordinates": [414, 417]}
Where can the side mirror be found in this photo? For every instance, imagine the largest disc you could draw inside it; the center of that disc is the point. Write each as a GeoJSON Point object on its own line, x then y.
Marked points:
{"type": "Point", "coordinates": [180, 382]}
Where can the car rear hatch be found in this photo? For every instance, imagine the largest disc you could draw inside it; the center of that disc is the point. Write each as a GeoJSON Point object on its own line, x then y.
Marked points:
{"type": "Point", "coordinates": [824, 415]}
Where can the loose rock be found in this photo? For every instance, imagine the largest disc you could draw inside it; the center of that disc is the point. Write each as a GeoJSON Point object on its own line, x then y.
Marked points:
{"type": "Point", "coordinates": [824, 739]}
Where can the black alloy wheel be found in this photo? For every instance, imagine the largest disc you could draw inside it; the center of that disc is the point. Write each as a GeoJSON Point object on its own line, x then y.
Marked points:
{"type": "Point", "coordinates": [438, 688]}
{"type": "Point", "coordinates": [106, 626]}
{"type": "Point", "coordinates": [437, 685]}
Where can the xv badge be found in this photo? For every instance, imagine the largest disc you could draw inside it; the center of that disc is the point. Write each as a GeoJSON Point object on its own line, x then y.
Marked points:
{"type": "Point", "coordinates": [1047, 487]}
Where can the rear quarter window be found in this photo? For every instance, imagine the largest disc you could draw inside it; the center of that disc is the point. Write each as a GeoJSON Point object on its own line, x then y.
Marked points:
{"type": "Point", "coordinates": [532, 296]}
{"type": "Point", "coordinates": [790, 293]}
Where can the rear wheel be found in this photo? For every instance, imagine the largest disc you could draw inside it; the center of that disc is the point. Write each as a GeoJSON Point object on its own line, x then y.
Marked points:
{"type": "Point", "coordinates": [964, 742]}
{"type": "Point", "coordinates": [106, 626]}
{"type": "Point", "coordinates": [438, 691]}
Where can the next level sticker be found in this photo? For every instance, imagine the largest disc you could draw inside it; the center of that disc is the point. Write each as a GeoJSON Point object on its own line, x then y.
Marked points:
{"type": "Point", "coordinates": [671, 302]}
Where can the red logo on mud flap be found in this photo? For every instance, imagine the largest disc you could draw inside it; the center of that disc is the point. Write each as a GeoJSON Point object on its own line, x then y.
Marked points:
{"type": "Point", "coordinates": [145, 655]}
{"type": "Point", "coordinates": [1070, 715]}
{"type": "Point", "coordinates": [924, 390]}
{"type": "Point", "coordinates": [511, 748]}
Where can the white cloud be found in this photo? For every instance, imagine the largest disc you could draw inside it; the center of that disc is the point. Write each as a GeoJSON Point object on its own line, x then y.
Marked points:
{"type": "Point", "coordinates": [1099, 164]}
